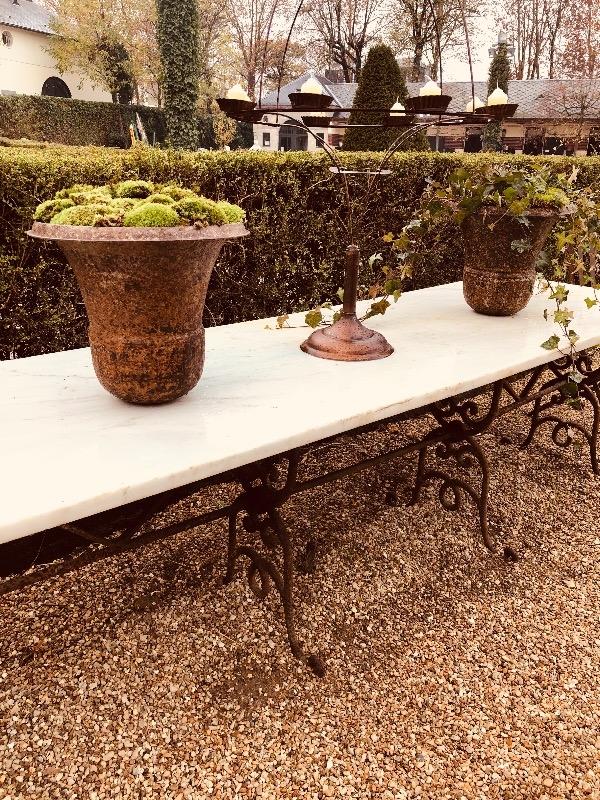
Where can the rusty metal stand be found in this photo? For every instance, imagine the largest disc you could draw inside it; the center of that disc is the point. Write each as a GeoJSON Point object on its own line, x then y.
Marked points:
{"type": "Point", "coordinates": [348, 339]}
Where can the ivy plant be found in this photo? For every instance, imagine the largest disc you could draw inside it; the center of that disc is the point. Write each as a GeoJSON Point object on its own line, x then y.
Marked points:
{"type": "Point", "coordinates": [570, 255]}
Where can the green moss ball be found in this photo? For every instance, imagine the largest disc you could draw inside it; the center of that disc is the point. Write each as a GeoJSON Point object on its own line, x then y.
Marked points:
{"type": "Point", "coordinates": [133, 189]}
{"type": "Point", "coordinates": [200, 210]}
{"type": "Point", "coordinates": [151, 215]}
{"type": "Point", "coordinates": [123, 203]}
{"type": "Point", "coordinates": [232, 212]}
{"type": "Point", "coordinates": [176, 192]}
{"type": "Point", "coordinates": [78, 187]}
{"type": "Point", "coordinates": [49, 208]}
{"type": "Point", "coordinates": [100, 194]}
{"type": "Point", "coordinates": [80, 215]}
{"type": "Point", "coordinates": [159, 197]}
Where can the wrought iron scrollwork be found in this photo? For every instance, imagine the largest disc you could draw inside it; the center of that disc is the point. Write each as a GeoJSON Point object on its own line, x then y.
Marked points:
{"type": "Point", "coordinates": [552, 396]}
{"type": "Point", "coordinates": [274, 566]}
{"type": "Point", "coordinates": [466, 416]}
{"type": "Point", "coordinates": [460, 421]}
{"type": "Point", "coordinates": [467, 455]}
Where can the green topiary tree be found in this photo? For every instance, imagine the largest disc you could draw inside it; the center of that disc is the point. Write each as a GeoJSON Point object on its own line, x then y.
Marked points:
{"type": "Point", "coordinates": [381, 83]}
{"type": "Point", "coordinates": [499, 75]}
{"type": "Point", "coordinates": [177, 31]}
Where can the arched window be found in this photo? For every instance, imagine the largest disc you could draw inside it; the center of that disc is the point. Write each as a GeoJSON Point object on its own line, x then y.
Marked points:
{"type": "Point", "coordinates": [55, 87]}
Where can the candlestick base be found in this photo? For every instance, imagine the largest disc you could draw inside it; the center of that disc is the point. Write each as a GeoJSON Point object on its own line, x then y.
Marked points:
{"type": "Point", "coordinates": [347, 340]}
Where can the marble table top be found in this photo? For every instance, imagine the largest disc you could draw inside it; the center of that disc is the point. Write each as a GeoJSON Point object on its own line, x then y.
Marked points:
{"type": "Point", "coordinates": [70, 449]}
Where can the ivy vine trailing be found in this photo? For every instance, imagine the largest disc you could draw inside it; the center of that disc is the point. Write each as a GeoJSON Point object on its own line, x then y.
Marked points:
{"type": "Point", "coordinates": [177, 32]}
{"type": "Point", "coordinates": [571, 253]}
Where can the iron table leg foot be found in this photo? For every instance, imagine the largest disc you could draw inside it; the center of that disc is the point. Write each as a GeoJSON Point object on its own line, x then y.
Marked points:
{"type": "Point", "coordinates": [271, 567]}
{"type": "Point", "coordinates": [544, 410]}
{"type": "Point", "coordinates": [466, 453]}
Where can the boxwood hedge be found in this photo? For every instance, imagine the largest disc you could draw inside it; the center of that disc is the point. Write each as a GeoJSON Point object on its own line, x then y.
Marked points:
{"type": "Point", "coordinates": [83, 122]}
{"type": "Point", "coordinates": [292, 260]}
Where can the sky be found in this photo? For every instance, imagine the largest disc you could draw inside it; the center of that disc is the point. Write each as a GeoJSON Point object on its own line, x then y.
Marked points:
{"type": "Point", "coordinates": [456, 67]}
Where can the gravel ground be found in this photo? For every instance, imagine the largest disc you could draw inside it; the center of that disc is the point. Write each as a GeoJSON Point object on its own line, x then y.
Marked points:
{"type": "Point", "coordinates": [451, 673]}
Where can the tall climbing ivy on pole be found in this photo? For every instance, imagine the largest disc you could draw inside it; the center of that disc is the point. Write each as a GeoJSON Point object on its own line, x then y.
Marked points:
{"type": "Point", "coordinates": [177, 31]}
{"type": "Point", "coordinates": [499, 75]}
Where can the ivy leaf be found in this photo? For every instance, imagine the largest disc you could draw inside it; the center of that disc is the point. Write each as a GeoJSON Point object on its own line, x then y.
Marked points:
{"type": "Point", "coordinates": [282, 319]}
{"type": "Point", "coordinates": [520, 245]}
{"type": "Point", "coordinates": [563, 316]}
{"type": "Point", "coordinates": [392, 285]}
{"type": "Point", "coordinates": [576, 376]}
{"type": "Point", "coordinates": [551, 343]}
{"type": "Point", "coordinates": [560, 293]}
{"type": "Point", "coordinates": [563, 239]}
{"type": "Point", "coordinates": [590, 302]}
{"type": "Point", "coordinates": [314, 318]}
{"type": "Point", "coordinates": [569, 389]}
{"type": "Point", "coordinates": [387, 237]}
{"type": "Point", "coordinates": [380, 307]}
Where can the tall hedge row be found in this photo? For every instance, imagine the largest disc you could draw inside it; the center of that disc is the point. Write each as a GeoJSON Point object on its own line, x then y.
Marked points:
{"type": "Point", "coordinates": [82, 122]}
{"type": "Point", "coordinates": [292, 260]}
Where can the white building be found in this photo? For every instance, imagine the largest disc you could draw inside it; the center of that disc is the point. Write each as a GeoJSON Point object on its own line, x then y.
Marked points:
{"type": "Point", "coordinates": [25, 65]}
{"type": "Point", "coordinates": [554, 116]}
{"type": "Point", "coordinates": [289, 137]}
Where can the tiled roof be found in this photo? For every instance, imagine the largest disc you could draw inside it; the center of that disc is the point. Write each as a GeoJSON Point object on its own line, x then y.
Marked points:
{"type": "Point", "coordinates": [25, 14]}
{"type": "Point", "coordinates": [270, 99]}
{"type": "Point", "coordinates": [542, 98]}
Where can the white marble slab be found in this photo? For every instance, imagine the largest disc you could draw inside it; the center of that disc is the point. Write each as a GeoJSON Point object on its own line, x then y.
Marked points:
{"type": "Point", "coordinates": [69, 449]}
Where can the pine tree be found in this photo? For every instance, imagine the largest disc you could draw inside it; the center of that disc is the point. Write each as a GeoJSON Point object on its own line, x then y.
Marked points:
{"type": "Point", "coordinates": [177, 31]}
{"type": "Point", "coordinates": [499, 75]}
{"type": "Point", "coordinates": [381, 83]}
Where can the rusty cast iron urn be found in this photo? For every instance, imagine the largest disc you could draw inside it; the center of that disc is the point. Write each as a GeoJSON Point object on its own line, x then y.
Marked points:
{"type": "Point", "coordinates": [498, 280]}
{"type": "Point", "coordinates": [144, 291]}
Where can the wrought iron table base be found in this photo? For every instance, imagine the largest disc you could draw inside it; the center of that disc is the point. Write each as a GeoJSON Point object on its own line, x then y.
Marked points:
{"type": "Point", "coordinates": [272, 561]}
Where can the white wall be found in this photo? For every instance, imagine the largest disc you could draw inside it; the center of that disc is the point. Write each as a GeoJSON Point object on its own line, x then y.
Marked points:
{"type": "Point", "coordinates": [259, 131]}
{"type": "Point", "coordinates": [25, 65]}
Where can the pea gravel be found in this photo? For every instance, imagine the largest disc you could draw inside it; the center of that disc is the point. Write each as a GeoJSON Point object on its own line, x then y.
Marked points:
{"type": "Point", "coordinates": [451, 673]}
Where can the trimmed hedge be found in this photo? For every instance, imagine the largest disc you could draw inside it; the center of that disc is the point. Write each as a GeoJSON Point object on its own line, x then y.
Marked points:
{"type": "Point", "coordinates": [292, 260]}
{"type": "Point", "coordinates": [82, 122]}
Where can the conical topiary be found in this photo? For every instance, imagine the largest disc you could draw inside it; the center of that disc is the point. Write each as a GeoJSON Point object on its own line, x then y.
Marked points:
{"type": "Point", "coordinates": [499, 75]}
{"type": "Point", "coordinates": [381, 83]}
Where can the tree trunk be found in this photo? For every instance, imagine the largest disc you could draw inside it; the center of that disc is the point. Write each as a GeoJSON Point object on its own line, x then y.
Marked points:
{"type": "Point", "coordinates": [415, 72]}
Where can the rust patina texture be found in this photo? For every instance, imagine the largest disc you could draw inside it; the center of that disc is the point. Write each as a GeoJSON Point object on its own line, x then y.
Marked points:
{"type": "Point", "coordinates": [144, 291]}
{"type": "Point", "coordinates": [348, 339]}
{"type": "Point", "coordinates": [497, 279]}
